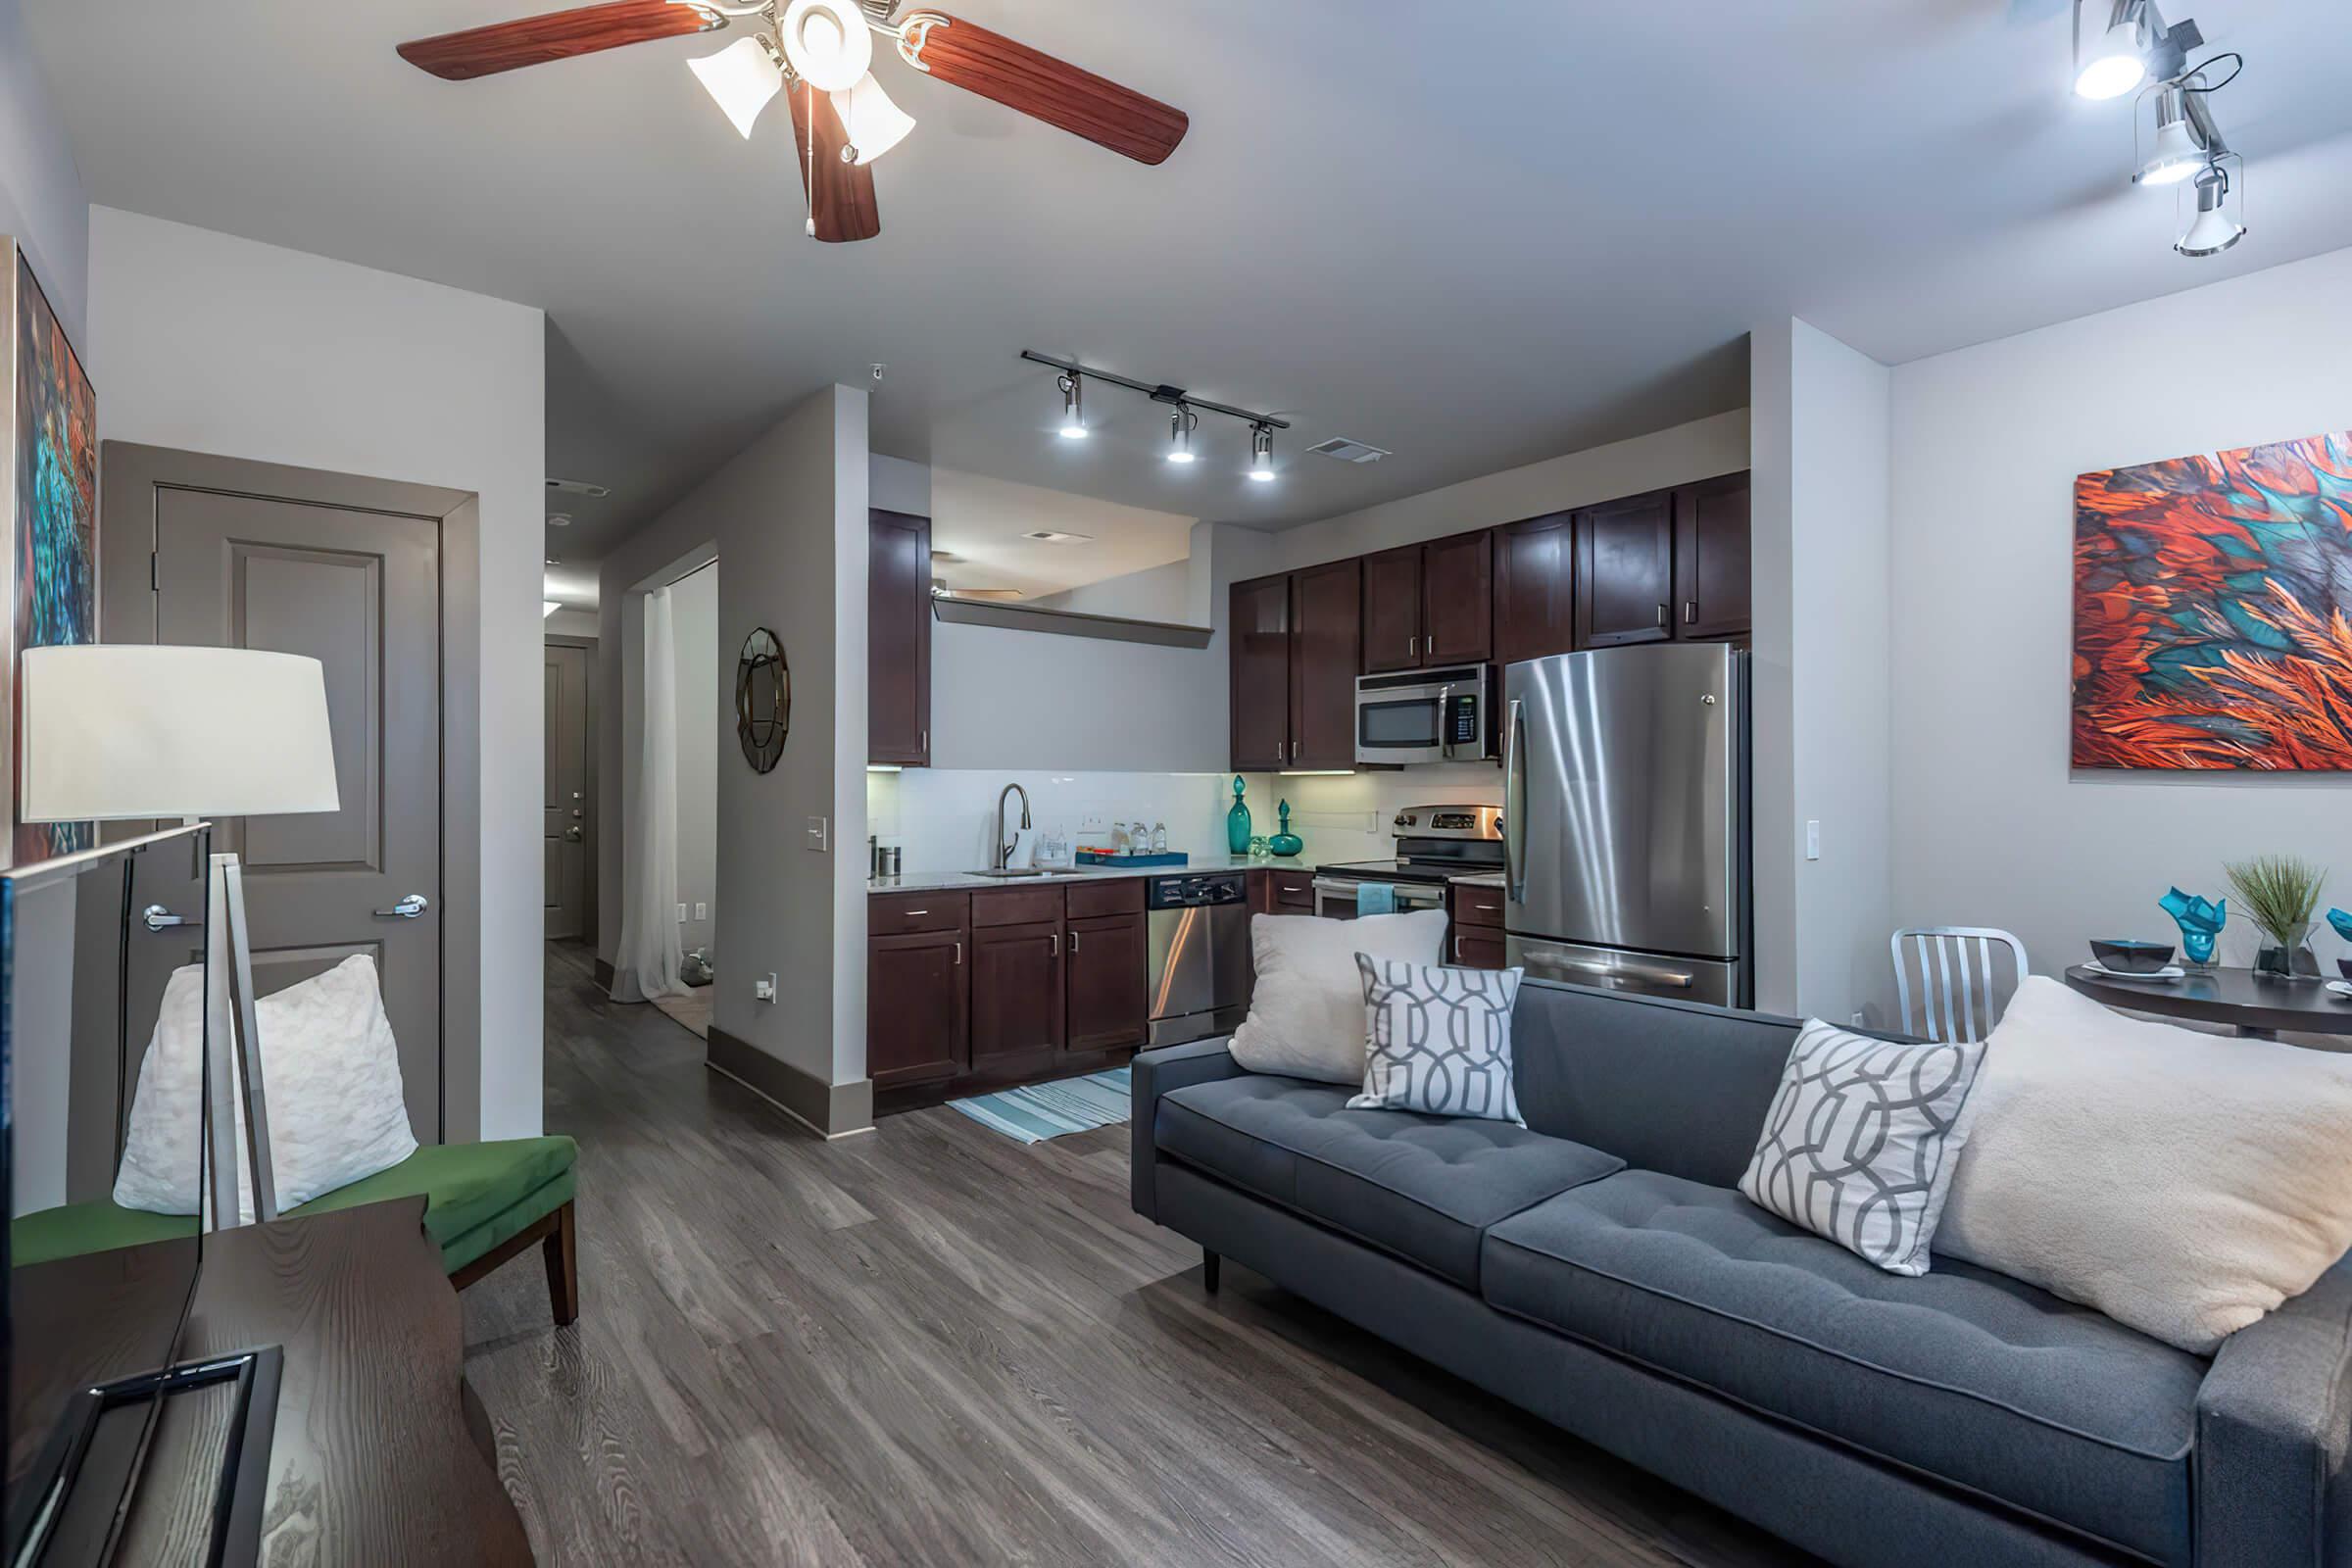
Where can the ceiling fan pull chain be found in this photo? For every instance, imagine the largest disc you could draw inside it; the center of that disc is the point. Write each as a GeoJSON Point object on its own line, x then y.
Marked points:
{"type": "Point", "coordinates": [810, 183]}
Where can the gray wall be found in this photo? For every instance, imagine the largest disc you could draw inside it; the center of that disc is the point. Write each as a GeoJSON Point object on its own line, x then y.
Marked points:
{"type": "Point", "coordinates": [1990, 826]}
{"type": "Point", "coordinates": [694, 626]}
{"type": "Point", "coordinates": [787, 520]}
{"type": "Point", "coordinates": [41, 201]}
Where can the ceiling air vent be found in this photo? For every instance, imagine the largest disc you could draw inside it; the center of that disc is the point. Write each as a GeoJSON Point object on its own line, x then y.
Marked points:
{"type": "Point", "coordinates": [1347, 451]}
{"type": "Point", "coordinates": [578, 487]}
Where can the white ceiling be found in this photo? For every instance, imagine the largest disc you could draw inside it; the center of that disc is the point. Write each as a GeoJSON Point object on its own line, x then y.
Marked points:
{"type": "Point", "coordinates": [982, 521]}
{"type": "Point", "coordinates": [1477, 235]}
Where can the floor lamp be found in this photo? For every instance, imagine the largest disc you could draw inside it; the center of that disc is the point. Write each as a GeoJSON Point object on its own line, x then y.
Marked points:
{"type": "Point", "coordinates": [135, 732]}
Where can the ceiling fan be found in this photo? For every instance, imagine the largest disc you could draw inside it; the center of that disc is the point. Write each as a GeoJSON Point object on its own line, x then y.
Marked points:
{"type": "Point", "coordinates": [818, 52]}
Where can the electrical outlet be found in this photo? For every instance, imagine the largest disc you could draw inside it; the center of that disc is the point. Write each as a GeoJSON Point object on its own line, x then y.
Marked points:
{"type": "Point", "coordinates": [815, 835]}
{"type": "Point", "coordinates": [1858, 1022]}
{"type": "Point", "coordinates": [702, 911]}
{"type": "Point", "coordinates": [681, 911]}
{"type": "Point", "coordinates": [765, 990]}
{"type": "Point", "coordinates": [1093, 822]}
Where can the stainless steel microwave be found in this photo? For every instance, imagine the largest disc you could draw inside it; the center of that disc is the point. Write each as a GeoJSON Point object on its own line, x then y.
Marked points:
{"type": "Point", "coordinates": [1426, 715]}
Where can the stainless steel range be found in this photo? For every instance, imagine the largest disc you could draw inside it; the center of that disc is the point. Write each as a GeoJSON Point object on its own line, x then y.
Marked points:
{"type": "Point", "coordinates": [1434, 844]}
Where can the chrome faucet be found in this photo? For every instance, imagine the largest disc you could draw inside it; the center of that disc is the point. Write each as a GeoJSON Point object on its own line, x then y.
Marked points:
{"type": "Point", "coordinates": [1003, 860]}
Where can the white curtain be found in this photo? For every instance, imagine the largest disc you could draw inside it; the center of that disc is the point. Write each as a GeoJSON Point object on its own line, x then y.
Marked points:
{"type": "Point", "coordinates": [651, 956]}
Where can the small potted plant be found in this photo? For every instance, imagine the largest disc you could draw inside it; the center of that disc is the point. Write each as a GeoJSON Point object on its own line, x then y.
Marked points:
{"type": "Point", "coordinates": [2280, 894]}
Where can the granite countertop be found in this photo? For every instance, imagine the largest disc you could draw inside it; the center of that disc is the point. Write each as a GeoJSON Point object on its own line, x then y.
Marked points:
{"type": "Point", "coordinates": [967, 882]}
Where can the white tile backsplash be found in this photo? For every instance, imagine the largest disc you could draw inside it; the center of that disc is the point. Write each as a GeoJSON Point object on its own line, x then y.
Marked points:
{"type": "Point", "coordinates": [1347, 816]}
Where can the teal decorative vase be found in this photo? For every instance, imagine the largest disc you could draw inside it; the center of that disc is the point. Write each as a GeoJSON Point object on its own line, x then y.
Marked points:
{"type": "Point", "coordinates": [1286, 842]}
{"type": "Point", "coordinates": [2200, 921]}
{"type": "Point", "coordinates": [1237, 820]}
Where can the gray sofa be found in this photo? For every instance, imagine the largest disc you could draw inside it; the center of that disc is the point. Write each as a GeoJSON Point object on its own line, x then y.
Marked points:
{"type": "Point", "coordinates": [1597, 1267]}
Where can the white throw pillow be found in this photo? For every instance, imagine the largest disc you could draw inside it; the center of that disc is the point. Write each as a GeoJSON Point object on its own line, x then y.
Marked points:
{"type": "Point", "coordinates": [1306, 1015]}
{"type": "Point", "coordinates": [2181, 1183]}
{"type": "Point", "coordinates": [1439, 1040]}
{"type": "Point", "coordinates": [1861, 1140]}
{"type": "Point", "coordinates": [331, 1093]}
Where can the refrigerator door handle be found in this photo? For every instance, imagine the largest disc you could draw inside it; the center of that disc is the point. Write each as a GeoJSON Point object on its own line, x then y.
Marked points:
{"type": "Point", "coordinates": [1679, 980]}
{"type": "Point", "coordinates": [1514, 805]}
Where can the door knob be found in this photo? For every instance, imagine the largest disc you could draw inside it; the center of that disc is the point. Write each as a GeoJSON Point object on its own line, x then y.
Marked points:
{"type": "Point", "coordinates": [159, 918]}
{"type": "Point", "coordinates": [410, 907]}
{"type": "Point", "coordinates": [571, 835]}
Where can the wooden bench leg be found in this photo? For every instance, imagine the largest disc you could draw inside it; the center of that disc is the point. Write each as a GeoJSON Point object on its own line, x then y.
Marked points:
{"type": "Point", "coordinates": [562, 1254]}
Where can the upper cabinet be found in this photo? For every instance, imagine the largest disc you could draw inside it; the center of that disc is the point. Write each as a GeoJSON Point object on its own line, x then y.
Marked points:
{"type": "Point", "coordinates": [1430, 603]}
{"type": "Point", "coordinates": [1711, 588]}
{"type": "Point", "coordinates": [898, 639]}
{"type": "Point", "coordinates": [1326, 650]}
{"type": "Point", "coordinates": [1535, 580]}
{"type": "Point", "coordinates": [1259, 633]}
{"type": "Point", "coordinates": [1625, 571]}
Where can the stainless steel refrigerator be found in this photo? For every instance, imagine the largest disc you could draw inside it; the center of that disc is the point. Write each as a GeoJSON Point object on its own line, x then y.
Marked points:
{"type": "Point", "coordinates": [1626, 820]}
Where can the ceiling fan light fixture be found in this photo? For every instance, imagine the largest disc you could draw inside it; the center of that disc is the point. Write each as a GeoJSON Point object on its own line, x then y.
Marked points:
{"type": "Point", "coordinates": [828, 44]}
{"type": "Point", "coordinates": [742, 80]}
{"type": "Point", "coordinates": [874, 124]}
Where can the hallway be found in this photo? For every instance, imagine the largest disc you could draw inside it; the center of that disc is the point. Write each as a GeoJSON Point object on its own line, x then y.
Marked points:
{"type": "Point", "coordinates": [929, 1344]}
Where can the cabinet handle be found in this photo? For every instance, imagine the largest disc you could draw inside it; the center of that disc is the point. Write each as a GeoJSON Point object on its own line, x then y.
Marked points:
{"type": "Point", "coordinates": [926, 738]}
{"type": "Point", "coordinates": [911, 913]}
{"type": "Point", "coordinates": [1055, 937]}
{"type": "Point", "coordinates": [1412, 647]}
{"type": "Point", "coordinates": [1457, 950]}
{"type": "Point", "coordinates": [1689, 612]}
{"type": "Point", "coordinates": [1073, 942]}
{"type": "Point", "coordinates": [1661, 615]}
{"type": "Point", "coordinates": [959, 954]}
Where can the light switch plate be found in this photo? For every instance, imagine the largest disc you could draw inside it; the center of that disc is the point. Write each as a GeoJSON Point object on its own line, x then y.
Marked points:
{"type": "Point", "coordinates": [818, 831]}
{"type": "Point", "coordinates": [702, 911]}
{"type": "Point", "coordinates": [1812, 841]}
{"type": "Point", "coordinates": [765, 990]}
{"type": "Point", "coordinates": [681, 911]}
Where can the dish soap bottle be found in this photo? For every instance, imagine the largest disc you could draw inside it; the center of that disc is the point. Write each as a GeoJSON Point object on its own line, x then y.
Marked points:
{"type": "Point", "coordinates": [1237, 820]}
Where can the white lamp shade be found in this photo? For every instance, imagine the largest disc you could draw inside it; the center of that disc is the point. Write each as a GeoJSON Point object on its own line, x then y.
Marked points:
{"type": "Point", "coordinates": [116, 732]}
{"type": "Point", "coordinates": [2213, 232]}
{"type": "Point", "coordinates": [828, 44]}
{"type": "Point", "coordinates": [873, 122]}
{"type": "Point", "coordinates": [741, 80]}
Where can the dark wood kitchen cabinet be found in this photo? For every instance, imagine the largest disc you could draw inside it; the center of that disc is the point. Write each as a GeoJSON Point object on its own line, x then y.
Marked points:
{"type": "Point", "coordinates": [1260, 664]}
{"type": "Point", "coordinates": [918, 997]}
{"type": "Point", "coordinates": [1535, 581]}
{"type": "Point", "coordinates": [1713, 596]}
{"type": "Point", "coordinates": [1017, 994]}
{"type": "Point", "coordinates": [898, 639]}
{"type": "Point", "coordinates": [1625, 571]}
{"type": "Point", "coordinates": [1107, 967]}
{"type": "Point", "coordinates": [1326, 647]}
{"type": "Point", "coordinates": [1392, 610]}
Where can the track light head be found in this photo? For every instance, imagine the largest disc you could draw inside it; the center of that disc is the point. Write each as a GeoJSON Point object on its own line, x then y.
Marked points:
{"type": "Point", "coordinates": [1180, 434]}
{"type": "Point", "coordinates": [2118, 61]}
{"type": "Point", "coordinates": [1261, 454]}
{"type": "Point", "coordinates": [1073, 406]}
{"type": "Point", "coordinates": [2179, 150]}
{"type": "Point", "coordinates": [2216, 228]}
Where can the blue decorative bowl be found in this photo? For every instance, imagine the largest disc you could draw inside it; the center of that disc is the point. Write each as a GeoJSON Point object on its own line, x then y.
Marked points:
{"type": "Point", "coordinates": [2126, 957]}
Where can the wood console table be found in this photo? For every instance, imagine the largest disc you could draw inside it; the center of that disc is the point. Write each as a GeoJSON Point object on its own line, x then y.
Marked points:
{"type": "Point", "coordinates": [380, 1454]}
{"type": "Point", "coordinates": [2255, 1005]}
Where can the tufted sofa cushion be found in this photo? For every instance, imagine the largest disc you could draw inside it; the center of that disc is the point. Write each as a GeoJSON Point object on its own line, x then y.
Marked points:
{"type": "Point", "coordinates": [1424, 1188]}
{"type": "Point", "coordinates": [1962, 1373]}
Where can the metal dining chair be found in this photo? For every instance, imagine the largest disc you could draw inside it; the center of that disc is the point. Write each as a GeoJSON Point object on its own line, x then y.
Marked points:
{"type": "Point", "coordinates": [1960, 992]}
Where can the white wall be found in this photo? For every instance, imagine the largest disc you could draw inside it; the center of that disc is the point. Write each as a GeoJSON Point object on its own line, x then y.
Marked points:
{"type": "Point", "coordinates": [786, 518]}
{"type": "Point", "coordinates": [41, 201]}
{"type": "Point", "coordinates": [693, 628]}
{"type": "Point", "coordinates": [1156, 593]}
{"type": "Point", "coordinates": [210, 343]}
{"type": "Point", "coordinates": [1991, 828]}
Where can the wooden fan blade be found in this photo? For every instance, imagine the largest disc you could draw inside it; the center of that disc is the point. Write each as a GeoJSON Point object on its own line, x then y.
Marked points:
{"type": "Point", "coordinates": [842, 197]}
{"type": "Point", "coordinates": [559, 35]}
{"type": "Point", "coordinates": [973, 57]}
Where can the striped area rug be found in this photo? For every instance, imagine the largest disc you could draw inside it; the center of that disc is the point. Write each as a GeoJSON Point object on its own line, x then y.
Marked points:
{"type": "Point", "coordinates": [1050, 1110]}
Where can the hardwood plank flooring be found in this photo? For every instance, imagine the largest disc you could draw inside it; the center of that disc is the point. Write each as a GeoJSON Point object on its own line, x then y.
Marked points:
{"type": "Point", "coordinates": [930, 1344]}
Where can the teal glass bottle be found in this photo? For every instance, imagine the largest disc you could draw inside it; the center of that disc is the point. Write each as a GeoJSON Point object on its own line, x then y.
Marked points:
{"type": "Point", "coordinates": [1286, 842]}
{"type": "Point", "coordinates": [1237, 820]}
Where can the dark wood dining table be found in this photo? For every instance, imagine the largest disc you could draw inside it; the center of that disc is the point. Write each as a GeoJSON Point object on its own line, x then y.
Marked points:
{"type": "Point", "coordinates": [2256, 1006]}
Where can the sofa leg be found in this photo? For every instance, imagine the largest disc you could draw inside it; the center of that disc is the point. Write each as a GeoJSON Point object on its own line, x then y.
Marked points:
{"type": "Point", "coordinates": [563, 1253]}
{"type": "Point", "coordinates": [1209, 1270]}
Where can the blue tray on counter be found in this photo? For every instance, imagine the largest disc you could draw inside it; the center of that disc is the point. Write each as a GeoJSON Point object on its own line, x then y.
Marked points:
{"type": "Point", "coordinates": [1142, 862]}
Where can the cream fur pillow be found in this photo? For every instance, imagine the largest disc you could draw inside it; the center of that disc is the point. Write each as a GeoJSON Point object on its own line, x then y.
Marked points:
{"type": "Point", "coordinates": [1306, 1015]}
{"type": "Point", "coordinates": [2181, 1183]}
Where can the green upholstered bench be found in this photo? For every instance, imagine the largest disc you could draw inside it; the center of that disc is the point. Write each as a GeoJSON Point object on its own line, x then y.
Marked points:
{"type": "Point", "coordinates": [484, 1204]}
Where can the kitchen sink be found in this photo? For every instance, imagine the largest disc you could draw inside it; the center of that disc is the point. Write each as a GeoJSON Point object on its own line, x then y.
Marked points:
{"type": "Point", "coordinates": [1010, 874]}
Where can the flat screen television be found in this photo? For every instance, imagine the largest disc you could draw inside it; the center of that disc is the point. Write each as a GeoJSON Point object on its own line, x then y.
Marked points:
{"type": "Point", "coordinates": [98, 1294]}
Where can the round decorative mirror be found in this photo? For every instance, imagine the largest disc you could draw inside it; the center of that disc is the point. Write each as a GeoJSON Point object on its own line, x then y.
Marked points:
{"type": "Point", "coordinates": [763, 700]}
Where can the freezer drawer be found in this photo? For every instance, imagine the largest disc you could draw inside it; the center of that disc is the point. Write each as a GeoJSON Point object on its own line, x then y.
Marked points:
{"type": "Point", "coordinates": [1720, 982]}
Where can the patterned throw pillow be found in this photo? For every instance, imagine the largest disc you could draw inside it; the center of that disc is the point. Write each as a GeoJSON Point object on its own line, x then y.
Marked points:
{"type": "Point", "coordinates": [1440, 1040]}
{"type": "Point", "coordinates": [1862, 1138]}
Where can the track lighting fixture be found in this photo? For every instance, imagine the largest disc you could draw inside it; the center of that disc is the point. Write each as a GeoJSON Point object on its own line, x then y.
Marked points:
{"type": "Point", "coordinates": [2178, 152]}
{"type": "Point", "coordinates": [1183, 419]}
{"type": "Point", "coordinates": [2121, 44]}
{"type": "Point", "coordinates": [1181, 425]}
{"type": "Point", "coordinates": [2217, 225]}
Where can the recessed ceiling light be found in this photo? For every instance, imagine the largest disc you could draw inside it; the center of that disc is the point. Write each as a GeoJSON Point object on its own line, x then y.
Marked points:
{"type": "Point", "coordinates": [1049, 536]}
{"type": "Point", "coordinates": [559, 519]}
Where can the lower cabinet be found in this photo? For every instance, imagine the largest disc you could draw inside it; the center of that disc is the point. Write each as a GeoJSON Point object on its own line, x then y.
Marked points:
{"type": "Point", "coordinates": [916, 1011]}
{"type": "Point", "coordinates": [1476, 941]}
{"type": "Point", "coordinates": [1106, 982]}
{"type": "Point", "coordinates": [1016, 994]}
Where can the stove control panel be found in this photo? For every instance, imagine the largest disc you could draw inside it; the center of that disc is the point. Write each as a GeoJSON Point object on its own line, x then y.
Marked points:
{"type": "Point", "coordinates": [1197, 891]}
{"type": "Point", "coordinates": [1450, 823]}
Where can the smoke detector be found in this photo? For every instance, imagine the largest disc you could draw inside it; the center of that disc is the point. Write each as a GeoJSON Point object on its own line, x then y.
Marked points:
{"type": "Point", "coordinates": [578, 487]}
{"type": "Point", "coordinates": [1347, 451]}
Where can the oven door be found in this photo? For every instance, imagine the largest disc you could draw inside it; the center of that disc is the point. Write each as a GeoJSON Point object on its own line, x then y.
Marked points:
{"type": "Point", "coordinates": [1335, 896]}
{"type": "Point", "coordinates": [1430, 715]}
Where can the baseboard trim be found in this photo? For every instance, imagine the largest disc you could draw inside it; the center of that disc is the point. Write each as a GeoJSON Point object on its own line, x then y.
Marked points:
{"type": "Point", "coordinates": [604, 974]}
{"type": "Point", "coordinates": [829, 1110]}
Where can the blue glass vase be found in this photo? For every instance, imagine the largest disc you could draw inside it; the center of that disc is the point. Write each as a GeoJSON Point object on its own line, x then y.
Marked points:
{"type": "Point", "coordinates": [1237, 820]}
{"type": "Point", "coordinates": [2200, 923]}
{"type": "Point", "coordinates": [1286, 842]}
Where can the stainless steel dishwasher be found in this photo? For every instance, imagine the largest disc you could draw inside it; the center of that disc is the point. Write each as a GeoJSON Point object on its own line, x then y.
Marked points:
{"type": "Point", "coordinates": [1197, 940]}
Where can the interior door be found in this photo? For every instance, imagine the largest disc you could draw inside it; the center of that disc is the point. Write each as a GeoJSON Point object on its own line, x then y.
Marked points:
{"type": "Point", "coordinates": [565, 808]}
{"type": "Point", "coordinates": [361, 592]}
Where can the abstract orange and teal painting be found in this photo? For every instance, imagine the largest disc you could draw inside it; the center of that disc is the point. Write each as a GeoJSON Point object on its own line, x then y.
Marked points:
{"type": "Point", "coordinates": [2213, 611]}
{"type": "Point", "coordinates": [56, 543]}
